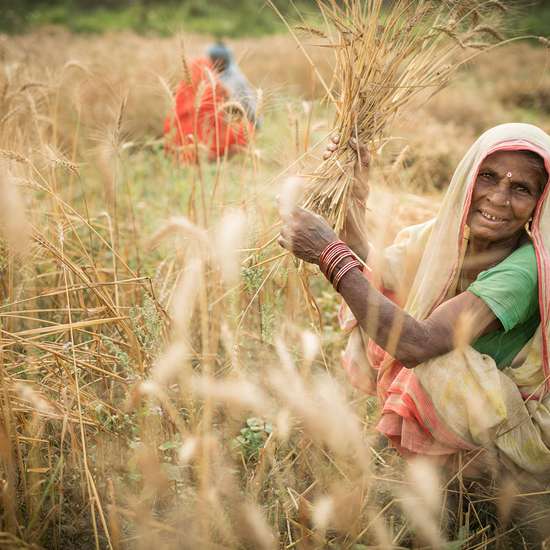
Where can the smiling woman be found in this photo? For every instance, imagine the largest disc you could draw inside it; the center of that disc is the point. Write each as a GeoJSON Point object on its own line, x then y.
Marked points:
{"type": "Point", "coordinates": [506, 192]}
{"type": "Point", "coordinates": [455, 338]}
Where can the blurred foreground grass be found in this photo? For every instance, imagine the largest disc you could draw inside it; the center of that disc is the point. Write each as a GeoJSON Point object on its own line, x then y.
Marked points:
{"type": "Point", "coordinates": [170, 379]}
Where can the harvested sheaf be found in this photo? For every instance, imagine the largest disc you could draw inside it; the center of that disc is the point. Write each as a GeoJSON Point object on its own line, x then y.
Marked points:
{"type": "Point", "coordinates": [385, 58]}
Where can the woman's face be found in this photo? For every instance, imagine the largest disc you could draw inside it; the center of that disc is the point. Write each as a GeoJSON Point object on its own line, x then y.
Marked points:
{"type": "Point", "coordinates": [506, 191]}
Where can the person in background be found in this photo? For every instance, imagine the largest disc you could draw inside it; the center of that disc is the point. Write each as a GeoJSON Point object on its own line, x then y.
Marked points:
{"type": "Point", "coordinates": [215, 109]}
{"type": "Point", "coordinates": [234, 81]}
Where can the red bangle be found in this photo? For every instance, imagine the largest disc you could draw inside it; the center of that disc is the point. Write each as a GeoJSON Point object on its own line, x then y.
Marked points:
{"type": "Point", "coordinates": [333, 257]}
{"type": "Point", "coordinates": [331, 253]}
{"type": "Point", "coordinates": [329, 258]}
{"type": "Point", "coordinates": [344, 270]}
{"type": "Point", "coordinates": [327, 249]}
{"type": "Point", "coordinates": [336, 261]}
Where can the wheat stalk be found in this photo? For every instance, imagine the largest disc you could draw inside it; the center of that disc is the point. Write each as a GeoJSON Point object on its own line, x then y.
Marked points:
{"type": "Point", "coordinates": [385, 58]}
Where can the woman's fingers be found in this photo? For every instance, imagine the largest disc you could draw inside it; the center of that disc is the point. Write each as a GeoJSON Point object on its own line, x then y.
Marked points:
{"type": "Point", "coordinates": [293, 220]}
{"type": "Point", "coordinates": [285, 237]}
{"type": "Point", "coordinates": [332, 146]}
{"type": "Point", "coordinates": [362, 151]}
{"type": "Point", "coordinates": [305, 234]}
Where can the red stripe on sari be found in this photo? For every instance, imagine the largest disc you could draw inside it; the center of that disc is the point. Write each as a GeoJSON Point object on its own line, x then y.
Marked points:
{"type": "Point", "coordinates": [409, 418]}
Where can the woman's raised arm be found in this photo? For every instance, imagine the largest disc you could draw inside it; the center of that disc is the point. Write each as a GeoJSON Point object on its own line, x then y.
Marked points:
{"type": "Point", "coordinates": [464, 318]}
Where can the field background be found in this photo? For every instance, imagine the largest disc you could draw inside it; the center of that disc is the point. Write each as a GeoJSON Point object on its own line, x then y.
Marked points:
{"type": "Point", "coordinates": [168, 377]}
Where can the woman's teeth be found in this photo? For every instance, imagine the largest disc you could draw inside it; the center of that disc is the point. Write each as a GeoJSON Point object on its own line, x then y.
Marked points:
{"type": "Point", "coordinates": [488, 216]}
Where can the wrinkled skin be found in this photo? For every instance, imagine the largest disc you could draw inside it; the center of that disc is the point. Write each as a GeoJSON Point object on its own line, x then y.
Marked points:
{"type": "Point", "coordinates": [506, 193]}
{"type": "Point", "coordinates": [511, 200]}
{"type": "Point", "coordinates": [306, 235]}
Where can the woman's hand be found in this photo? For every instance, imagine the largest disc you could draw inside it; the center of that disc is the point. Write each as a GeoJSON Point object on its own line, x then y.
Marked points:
{"type": "Point", "coordinates": [305, 234]}
{"type": "Point", "coordinates": [361, 187]}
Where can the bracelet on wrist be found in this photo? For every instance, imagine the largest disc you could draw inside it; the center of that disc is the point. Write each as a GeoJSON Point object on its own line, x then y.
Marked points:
{"type": "Point", "coordinates": [333, 264]}
{"type": "Point", "coordinates": [328, 249]}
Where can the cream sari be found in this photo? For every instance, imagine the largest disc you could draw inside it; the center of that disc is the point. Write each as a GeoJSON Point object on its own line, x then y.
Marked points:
{"type": "Point", "coordinates": [461, 401]}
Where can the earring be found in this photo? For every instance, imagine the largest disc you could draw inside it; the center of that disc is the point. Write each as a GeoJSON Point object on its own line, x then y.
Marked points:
{"type": "Point", "coordinates": [528, 228]}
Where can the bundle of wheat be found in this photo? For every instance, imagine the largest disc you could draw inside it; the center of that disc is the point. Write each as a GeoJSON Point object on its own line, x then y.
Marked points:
{"type": "Point", "coordinates": [387, 54]}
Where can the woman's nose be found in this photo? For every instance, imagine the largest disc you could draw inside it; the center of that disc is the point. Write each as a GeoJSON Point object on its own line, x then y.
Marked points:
{"type": "Point", "coordinates": [500, 195]}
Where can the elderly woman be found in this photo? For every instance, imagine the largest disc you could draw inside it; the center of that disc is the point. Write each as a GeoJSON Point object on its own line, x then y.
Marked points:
{"type": "Point", "coordinates": [454, 338]}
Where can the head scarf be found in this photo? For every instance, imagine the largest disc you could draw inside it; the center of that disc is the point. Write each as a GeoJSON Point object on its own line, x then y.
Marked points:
{"type": "Point", "coordinates": [220, 51]}
{"type": "Point", "coordinates": [447, 241]}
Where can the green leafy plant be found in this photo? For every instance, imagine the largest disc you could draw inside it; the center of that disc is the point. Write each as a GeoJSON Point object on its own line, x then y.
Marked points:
{"type": "Point", "coordinates": [252, 438]}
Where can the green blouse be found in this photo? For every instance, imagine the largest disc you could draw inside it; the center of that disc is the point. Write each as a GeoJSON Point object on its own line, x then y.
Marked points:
{"type": "Point", "coordinates": [510, 289]}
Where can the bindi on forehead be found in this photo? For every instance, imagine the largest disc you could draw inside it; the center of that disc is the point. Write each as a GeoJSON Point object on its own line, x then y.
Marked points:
{"type": "Point", "coordinates": [513, 165]}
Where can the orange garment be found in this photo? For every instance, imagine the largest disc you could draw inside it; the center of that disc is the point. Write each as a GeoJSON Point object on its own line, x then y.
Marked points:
{"type": "Point", "coordinates": [199, 119]}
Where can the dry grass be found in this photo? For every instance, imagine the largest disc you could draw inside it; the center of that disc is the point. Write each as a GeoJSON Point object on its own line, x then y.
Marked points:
{"type": "Point", "coordinates": [167, 379]}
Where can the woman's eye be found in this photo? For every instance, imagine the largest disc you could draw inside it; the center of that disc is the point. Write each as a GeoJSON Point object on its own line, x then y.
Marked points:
{"type": "Point", "coordinates": [523, 189]}
{"type": "Point", "coordinates": [486, 175]}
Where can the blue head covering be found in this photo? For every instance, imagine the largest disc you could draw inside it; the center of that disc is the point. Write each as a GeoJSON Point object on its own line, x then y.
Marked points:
{"type": "Point", "coordinates": [234, 80]}
{"type": "Point", "coordinates": [220, 51]}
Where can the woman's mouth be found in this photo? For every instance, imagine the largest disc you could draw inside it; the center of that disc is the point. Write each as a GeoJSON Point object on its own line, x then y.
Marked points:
{"type": "Point", "coordinates": [491, 217]}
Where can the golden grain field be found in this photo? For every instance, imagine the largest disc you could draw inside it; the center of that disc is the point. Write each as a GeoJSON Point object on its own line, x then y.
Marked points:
{"type": "Point", "coordinates": [169, 377]}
